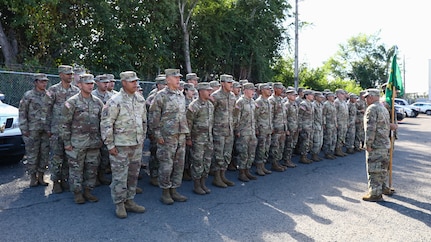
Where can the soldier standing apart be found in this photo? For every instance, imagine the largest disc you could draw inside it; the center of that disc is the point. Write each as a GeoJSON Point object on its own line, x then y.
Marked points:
{"type": "Point", "coordinates": [377, 128]}
{"type": "Point", "coordinates": [263, 113]}
{"type": "Point", "coordinates": [200, 118]}
{"type": "Point", "coordinates": [306, 119]}
{"type": "Point", "coordinates": [317, 127]}
{"type": "Point", "coordinates": [342, 120]}
{"type": "Point", "coordinates": [360, 133]}
{"type": "Point", "coordinates": [82, 139]}
{"type": "Point", "coordinates": [245, 132]}
{"type": "Point", "coordinates": [279, 125]}
{"type": "Point", "coordinates": [329, 116]}
{"type": "Point", "coordinates": [351, 126]}
{"type": "Point", "coordinates": [224, 103]}
{"type": "Point", "coordinates": [292, 128]}
{"type": "Point", "coordinates": [33, 109]}
{"type": "Point", "coordinates": [169, 126]}
{"type": "Point", "coordinates": [123, 127]}
{"type": "Point", "coordinates": [59, 93]}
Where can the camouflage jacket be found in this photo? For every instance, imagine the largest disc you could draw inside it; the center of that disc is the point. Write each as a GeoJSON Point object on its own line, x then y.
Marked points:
{"type": "Point", "coordinates": [279, 117]}
{"type": "Point", "coordinates": [263, 114]}
{"type": "Point", "coordinates": [292, 116]}
{"type": "Point", "coordinates": [33, 111]}
{"type": "Point", "coordinates": [352, 114]}
{"type": "Point", "coordinates": [224, 103]}
{"type": "Point", "coordinates": [58, 95]}
{"type": "Point", "coordinates": [306, 115]}
{"type": "Point", "coordinates": [329, 115]}
{"type": "Point", "coordinates": [168, 114]}
{"type": "Point", "coordinates": [244, 116]}
{"type": "Point", "coordinates": [342, 112]}
{"type": "Point", "coordinates": [200, 119]}
{"type": "Point", "coordinates": [360, 110]}
{"type": "Point", "coordinates": [81, 122]}
{"type": "Point", "coordinates": [377, 126]}
{"type": "Point", "coordinates": [124, 120]}
{"type": "Point", "coordinates": [318, 116]}
{"type": "Point", "coordinates": [102, 96]}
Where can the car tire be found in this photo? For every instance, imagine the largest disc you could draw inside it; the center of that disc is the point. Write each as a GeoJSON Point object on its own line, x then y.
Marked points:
{"type": "Point", "coordinates": [428, 112]}
{"type": "Point", "coordinates": [415, 114]}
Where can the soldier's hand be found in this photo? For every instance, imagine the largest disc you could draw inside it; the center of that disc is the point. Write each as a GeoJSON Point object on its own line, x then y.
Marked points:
{"type": "Point", "coordinates": [189, 142]}
{"type": "Point", "coordinates": [68, 147]}
{"type": "Point", "coordinates": [113, 151]}
{"type": "Point", "coordinates": [161, 141]}
{"type": "Point", "coordinates": [394, 126]}
{"type": "Point", "coordinates": [369, 149]}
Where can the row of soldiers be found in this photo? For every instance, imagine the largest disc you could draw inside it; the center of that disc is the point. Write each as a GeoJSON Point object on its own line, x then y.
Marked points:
{"type": "Point", "coordinates": [89, 131]}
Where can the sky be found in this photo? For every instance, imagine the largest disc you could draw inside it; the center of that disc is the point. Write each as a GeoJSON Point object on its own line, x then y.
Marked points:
{"type": "Point", "coordinates": [401, 23]}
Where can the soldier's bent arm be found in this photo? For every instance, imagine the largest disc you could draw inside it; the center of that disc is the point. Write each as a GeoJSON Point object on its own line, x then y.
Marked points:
{"type": "Point", "coordinates": [371, 126]}
{"type": "Point", "coordinates": [156, 109]}
{"type": "Point", "coordinates": [23, 115]}
{"type": "Point", "coordinates": [109, 115]}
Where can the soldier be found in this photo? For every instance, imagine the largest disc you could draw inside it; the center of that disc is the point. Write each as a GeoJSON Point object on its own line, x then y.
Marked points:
{"type": "Point", "coordinates": [306, 119]}
{"type": "Point", "coordinates": [200, 118]}
{"type": "Point", "coordinates": [224, 103]}
{"type": "Point", "coordinates": [189, 96]}
{"type": "Point", "coordinates": [215, 85]}
{"type": "Point", "coordinates": [279, 125]}
{"type": "Point", "coordinates": [59, 93]}
{"type": "Point", "coordinates": [33, 109]}
{"type": "Point", "coordinates": [263, 113]}
{"type": "Point", "coordinates": [360, 133]}
{"type": "Point", "coordinates": [82, 139]}
{"type": "Point", "coordinates": [342, 120]}
{"type": "Point", "coordinates": [329, 125]}
{"type": "Point", "coordinates": [300, 96]}
{"type": "Point", "coordinates": [111, 84]}
{"type": "Point", "coordinates": [77, 72]}
{"type": "Point", "coordinates": [169, 126]}
{"type": "Point", "coordinates": [351, 126]}
{"type": "Point", "coordinates": [292, 128]}
{"type": "Point", "coordinates": [317, 127]}
{"type": "Point", "coordinates": [245, 132]}
{"type": "Point", "coordinates": [123, 127]}
{"type": "Point", "coordinates": [377, 128]}
{"type": "Point", "coordinates": [236, 89]}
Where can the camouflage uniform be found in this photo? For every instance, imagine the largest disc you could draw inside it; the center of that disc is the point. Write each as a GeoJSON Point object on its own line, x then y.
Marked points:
{"type": "Point", "coordinates": [33, 109]}
{"type": "Point", "coordinates": [102, 96]}
{"type": "Point", "coordinates": [81, 130]}
{"type": "Point", "coordinates": [377, 123]}
{"type": "Point", "coordinates": [279, 124]}
{"type": "Point", "coordinates": [123, 126]}
{"type": "Point", "coordinates": [342, 121]}
{"type": "Point", "coordinates": [168, 122]}
{"type": "Point", "coordinates": [306, 119]}
{"type": "Point", "coordinates": [351, 126]}
{"type": "Point", "coordinates": [263, 114]}
{"type": "Point", "coordinates": [153, 163]}
{"type": "Point", "coordinates": [329, 115]}
{"type": "Point", "coordinates": [293, 127]}
{"type": "Point", "coordinates": [59, 167]}
{"type": "Point", "coordinates": [200, 118]}
{"type": "Point", "coordinates": [359, 125]}
{"type": "Point", "coordinates": [317, 128]}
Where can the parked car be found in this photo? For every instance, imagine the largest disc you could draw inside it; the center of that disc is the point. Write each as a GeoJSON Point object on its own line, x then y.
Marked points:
{"type": "Point", "coordinates": [400, 113]}
{"type": "Point", "coordinates": [410, 110]}
{"type": "Point", "coordinates": [12, 147]}
{"type": "Point", "coordinates": [423, 107]}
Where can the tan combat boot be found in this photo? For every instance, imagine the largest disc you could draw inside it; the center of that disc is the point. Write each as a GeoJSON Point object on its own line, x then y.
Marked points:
{"type": "Point", "coordinates": [131, 206]}
{"type": "Point", "coordinates": [204, 187]}
{"type": "Point", "coordinates": [388, 191]}
{"type": "Point", "coordinates": [372, 198]}
{"type": "Point", "coordinates": [249, 175]}
{"type": "Point", "coordinates": [350, 151]}
{"type": "Point", "coordinates": [305, 160]}
{"type": "Point", "coordinates": [265, 170]}
{"type": "Point", "coordinates": [290, 164]}
{"type": "Point", "coordinates": [338, 152]}
{"type": "Point", "coordinates": [217, 181]}
{"type": "Point", "coordinates": [139, 190]}
{"type": "Point", "coordinates": [276, 167]}
{"type": "Point", "coordinates": [315, 157]}
{"type": "Point", "coordinates": [225, 180]}
{"type": "Point", "coordinates": [259, 169]}
{"type": "Point", "coordinates": [40, 179]}
{"type": "Point", "coordinates": [166, 197]}
{"type": "Point", "coordinates": [242, 176]}
{"type": "Point", "coordinates": [56, 188]}
{"type": "Point", "coordinates": [78, 198]}
{"type": "Point", "coordinates": [102, 179]}
{"type": "Point", "coordinates": [197, 188]}
{"type": "Point", "coordinates": [328, 156]}
{"type": "Point", "coordinates": [120, 210]}
{"type": "Point", "coordinates": [88, 196]}
{"type": "Point", "coordinates": [33, 180]}
{"type": "Point", "coordinates": [154, 181]}
{"type": "Point", "coordinates": [177, 197]}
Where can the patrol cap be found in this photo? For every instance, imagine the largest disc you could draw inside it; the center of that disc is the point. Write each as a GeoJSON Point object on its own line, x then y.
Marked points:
{"type": "Point", "coordinates": [278, 85]}
{"type": "Point", "coordinates": [330, 94]}
{"type": "Point", "coordinates": [102, 78]}
{"type": "Point", "coordinates": [226, 78]}
{"type": "Point", "coordinates": [79, 70]}
{"type": "Point", "coordinates": [340, 91]}
{"type": "Point", "coordinates": [160, 79]}
{"type": "Point", "coordinates": [237, 85]}
{"type": "Point", "coordinates": [204, 86]}
{"type": "Point", "coordinates": [264, 86]}
{"type": "Point", "coordinates": [189, 87]}
{"type": "Point", "coordinates": [318, 94]}
{"type": "Point", "coordinates": [128, 76]}
{"type": "Point", "coordinates": [352, 95]}
{"type": "Point", "coordinates": [308, 92]}
{"type": "Point", "coordinates": [244, 81]}
{"type": "Point", "coordinates": [372, 92]}
{"type": "Point", "coordinates": [191, 76]}
{"type": "Point", "coordinates": [65, 69]}
{"type": "Point", "coordinates": [86, 78]}
{"type": "Point", "coordinates": [40, 77]}
{"type": "Point", "coordinates": [110, 77]}
{"type": "Point", "coordinates": [361, 93]}
{"type": "Point", "coordinates": [248, 86]}
{"type": "Point", "coordinates": [214, 84]}
{"type": "Point", "coordinates": [173, 72]}
{"type": "Point", "coordinates": [291, 92]}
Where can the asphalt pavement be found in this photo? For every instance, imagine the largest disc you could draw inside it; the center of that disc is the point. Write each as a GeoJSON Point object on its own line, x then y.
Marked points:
{"type": "Point", "coordinates": [316, 202]}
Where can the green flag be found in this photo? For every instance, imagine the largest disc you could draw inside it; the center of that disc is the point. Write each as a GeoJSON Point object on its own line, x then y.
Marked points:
{"type": "Point", "coordinates": [395, 80]}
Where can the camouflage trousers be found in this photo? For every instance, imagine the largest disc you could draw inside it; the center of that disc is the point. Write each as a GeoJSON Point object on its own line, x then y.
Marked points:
{"type": "Point", "coordinates": [305, 141]}
{"type": "Point", "coordinates": [341, 135]}
{"type": "Point", "coordinates": [262, 148]}
{"type": "Point", "coordinates": [125, 167]}
{"type": "Point", "coordinates": [223, 146]}
{"type": "Point", "coordinates": [350, 136]}
{"type": "Point", "coordinates": [187, 161]}
{"type": "Point", "coordinates": [246, 147]}
{"type": "Point", "coordinates": [377, 170]}
{"type": "Point", "coordinates": [201, 153]}
{"type": "Point", "coordinates": [171, 156]}
{"type": "Point", "coordinates": [277, 147]}
{"type": "Point", "coordinates": [83, 164]}
{"type": "Point", "coordinates": [58, 166]}
{"type": "Point", "coordinates": [153, 162]}
{"type": "Point", "coordinates": [329, 139]}
{"type": "Point", "coordinates": [359, 134]}
{"type": "Point", "coordinates": [104, 158]}
{"type": "Point", "coordinates": [289, 145]}
{"type": "Point", "coordinates": [37, 151]}
{"type": "Point", "coordinates": [317, 141]}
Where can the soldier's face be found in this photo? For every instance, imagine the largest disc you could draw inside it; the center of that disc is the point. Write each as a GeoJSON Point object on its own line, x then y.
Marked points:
{"type": "Point", "coordinates": [86, 88]}
{"type": "Point", "coordinates": [102, 86]}
{"type": "Point", "coordinates": [291, 96]}
{"type": "Point", "coordinates": [205, 94]}
{"type": "Point", "coordinates": [236, 90]}
{"type": "Point", "coordinates": [110, 86]}
{"type": "Point", "coordinates": [173, 82]}
{"type": "Point", "coordinates": [130, 87]}
{"type": "Point", "coordinates": [227, 86]}
{"type": "Point", "coordinates": [193, 81]}
{"type": "Point", "coordinates": [66, 77]}
{"type": "Point", "coordinates": [41, 84]}
{"type": "Point", "coordinates": [249, 93]}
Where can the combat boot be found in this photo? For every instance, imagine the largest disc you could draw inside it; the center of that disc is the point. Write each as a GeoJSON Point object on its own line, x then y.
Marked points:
{"type": "Point", "coordinates": [338, 152]}
{"type": "Point", "coordinates": [177, 197]}
{"type": "Point", "coordinates": [289, 164]}
{"type": "Point", "coordinates": [120, 210]}
{"type": "Point", "coordinates": [329, 156]}
{"type": "Point", "coordinates": [197, 188]}
{"type": "Point", "coordinates": [305, 160]}
{"type": "Point", "coordinates": [154, 181]}
{"type": "Point", "coordinates": [65, 185]}
{"type": "Point", "coordinates": [388, 191]}
{"type": "Point", "coordinates": [249, 175]}
{"type": "Point", "coordinates": [242, 176]}
{"type": "Point", "coordinates": [350, 151]}
{"type": "Point", "coordinates": [186, 175]}
{"type": "Point", "coordinates": [265, 170]}
{"type": "Point", "coordinates": [225, 180]}
{"type": "Point", "coordinates": [166, 197]}
{"type": "Point", "coordinates": [276, 167]}
{"type": "Point", "coordinates": [315, 157]}
{"type": "Point", "coordinates": [232, 166]}
{"type": "Point", "coordinates": [78, 198]}
{"type": "Point", "coordinates": [33, 180]}
{"type": "Point", "coordinates": [204, 187]}
{"type": "Point", "coordinates": [90, 197]}
{"type": "Point", "coordinates": [56, 188]}
{"type": "Point", "coordinates": [217, 181]}
{"type": "Point", "coordinates": [40, 179]}
{"type": "Point", "coordinates": [131, 206]}
{"type": "Point", "coordinates": [259, 169]}
{"type": "Point", "coordinates": [102, 179]}
{"type": "Point", "coordinates": [372, 198]}
{"type": "Point", "coordinates": [139, 190]}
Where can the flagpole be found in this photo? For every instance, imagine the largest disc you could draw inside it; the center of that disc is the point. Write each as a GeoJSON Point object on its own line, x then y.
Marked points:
{"type": "Point", "coordinates": [391, 150]}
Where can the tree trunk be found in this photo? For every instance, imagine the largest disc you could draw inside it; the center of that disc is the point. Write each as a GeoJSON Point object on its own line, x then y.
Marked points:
{"type": "Point", "coordinates": [8, 53]}
{"type": "Point", "coordinates": [186, 36]}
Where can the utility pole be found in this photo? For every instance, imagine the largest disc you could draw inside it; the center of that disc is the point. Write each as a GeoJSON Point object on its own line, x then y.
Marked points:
{"type": "Point", "coordinates": [296, 46]}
